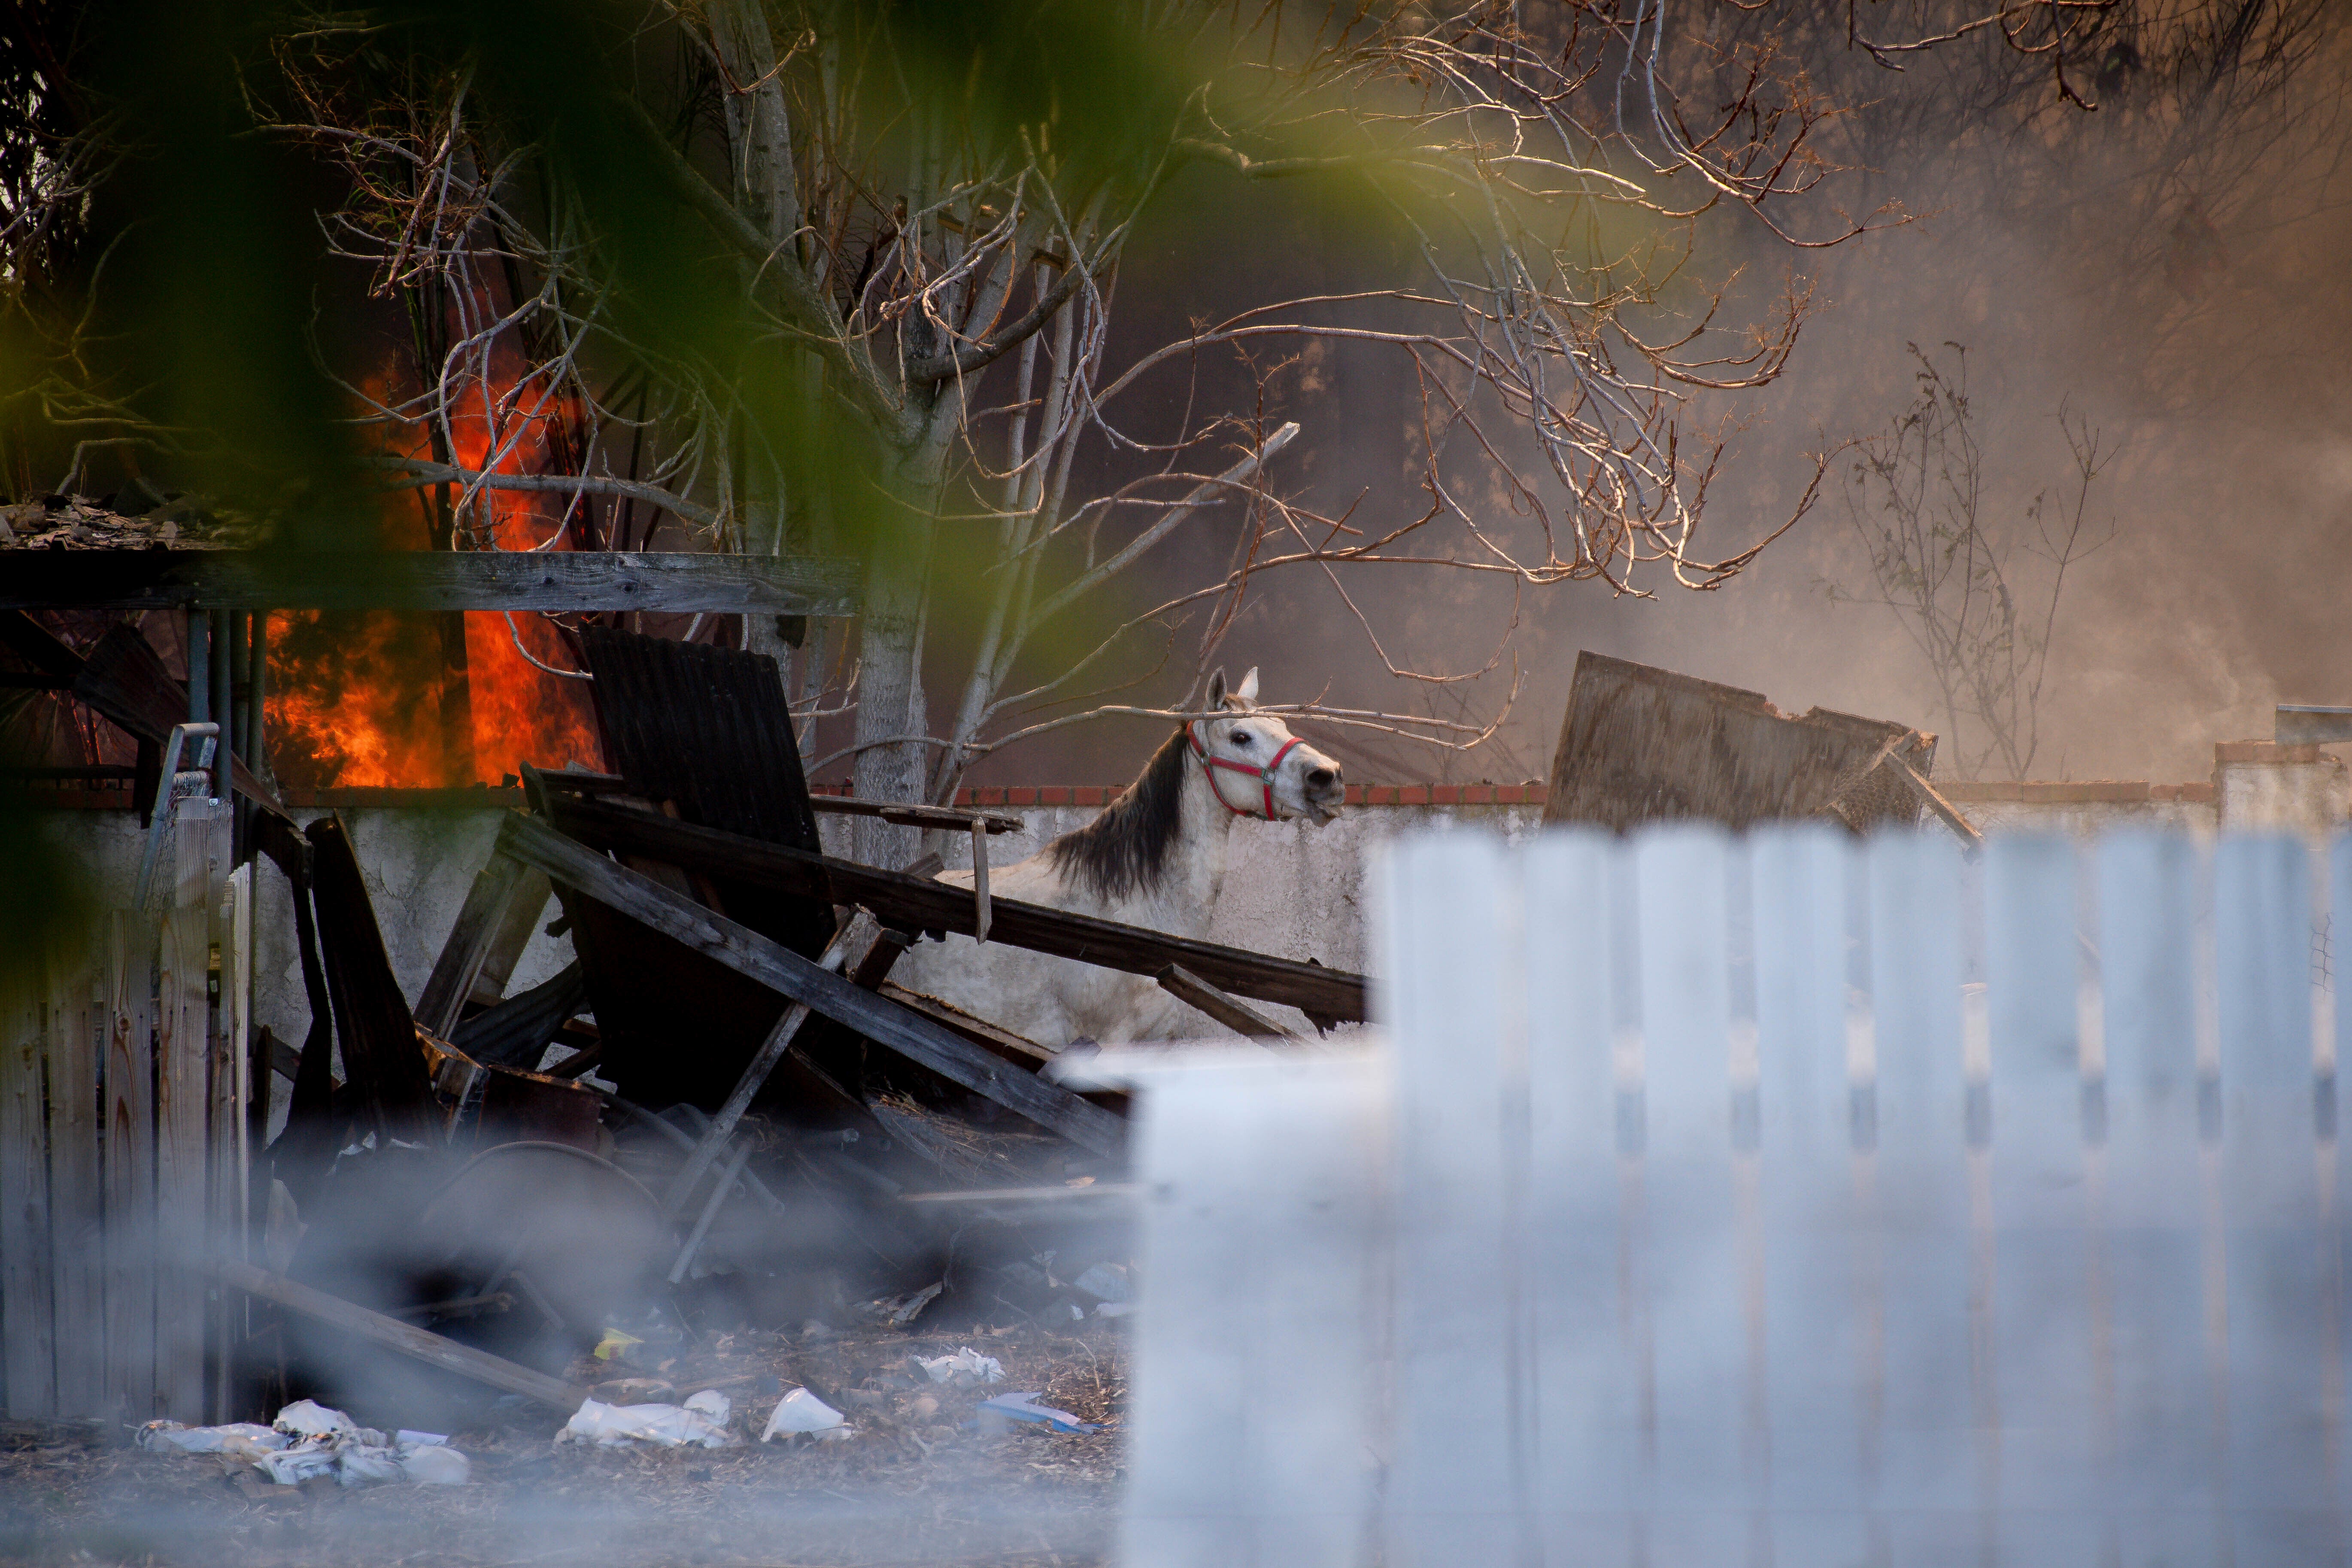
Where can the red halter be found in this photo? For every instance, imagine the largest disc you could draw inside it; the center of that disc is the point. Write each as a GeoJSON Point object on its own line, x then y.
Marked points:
{"type": "Point", "coordinates": [1264, 775]}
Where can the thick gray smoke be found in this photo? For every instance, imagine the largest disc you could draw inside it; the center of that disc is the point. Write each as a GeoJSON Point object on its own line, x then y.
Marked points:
{"type": "Point", "coordinates": [2156, 269]}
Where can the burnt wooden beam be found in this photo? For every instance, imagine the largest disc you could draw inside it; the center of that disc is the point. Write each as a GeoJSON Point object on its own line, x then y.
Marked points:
{"type": "Point", "coordinates": [781, 970]}
{"type": "Point", "coordinates": [372, 1024]}
{"type": "Point", "coordinates": [1231, 1011]}
{"type": "Point", "coordinates": [422, 1344]}
{"type": "Point", "coordinates": [476, 927]}
{"type": "Point", "coordinates": [678, 582]}
{"type": "Point", "coordinates": [915, 903]}
{"type": "Point", "coordinates": [955, 818]}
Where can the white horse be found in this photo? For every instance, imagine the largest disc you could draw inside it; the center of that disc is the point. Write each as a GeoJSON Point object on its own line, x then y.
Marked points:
{"type": "Point", "coordinates": [1155, 857]}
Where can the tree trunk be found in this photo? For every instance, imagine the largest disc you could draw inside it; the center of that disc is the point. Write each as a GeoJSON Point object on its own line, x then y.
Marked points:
{"type": "Point", "coordinates": [889, 682]}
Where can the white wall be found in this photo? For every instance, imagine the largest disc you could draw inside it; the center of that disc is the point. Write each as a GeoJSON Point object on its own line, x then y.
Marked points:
{"type": "Point", "coordinates": [1293, 890]}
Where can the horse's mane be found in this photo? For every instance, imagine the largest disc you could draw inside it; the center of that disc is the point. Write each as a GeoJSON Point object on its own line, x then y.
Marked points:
{"type": "Point", "coordinates": [1125, 849]}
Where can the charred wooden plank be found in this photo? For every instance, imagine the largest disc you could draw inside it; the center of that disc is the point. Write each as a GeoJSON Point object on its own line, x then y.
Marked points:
{"type": "Point", "coordinates": [381, 1058]}
{"type": "Point", "coordinates": [477, 926]}
{"type": "Point", "coordinates": [948, 816]}
{"type": "Point", "coordinates": [781, 970]}
{"type": "Point", "coordinates": [1017, 1049]}
{"type": "Point", "coordinates": [1231, 1011]}
{"type": "Point", "coordinates": [915, 904]}
{"type": "Point", "coordinates": [429, 580]}
{"type": "Point", "coordinates": [407, 1338]}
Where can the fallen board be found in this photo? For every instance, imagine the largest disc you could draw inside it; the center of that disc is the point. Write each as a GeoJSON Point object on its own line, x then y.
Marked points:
{"type": "Point", "coordinates": [1641, 744]}
{"type": "Point", "coordinates": [917, 904]}
{"type": "Point", "coordinates": [428, 580]}
{"type": "Point", "coordinates": [410, 1340]}
{"type": "Point", "coordinates": [786, 973]}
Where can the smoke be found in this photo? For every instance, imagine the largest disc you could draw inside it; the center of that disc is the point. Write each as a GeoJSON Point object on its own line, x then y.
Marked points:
{"type": "Point", "coordinates": [2155, 269]}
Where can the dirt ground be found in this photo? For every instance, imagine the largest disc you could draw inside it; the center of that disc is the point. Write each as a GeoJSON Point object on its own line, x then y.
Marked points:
{"type": "Point", "coordinates": [920, 1482]}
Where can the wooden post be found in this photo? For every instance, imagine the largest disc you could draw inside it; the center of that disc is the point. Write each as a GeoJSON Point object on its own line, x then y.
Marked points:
{"type": "Point", "coordinates": [78, 1036]}
{"type": "Point", "coordinates": [230, 1091]}
{"type": "Point", "coordinates": [28, 1347]}
{"type": "Point", "coordinates": [185, 1054]}
{"type": "Point", "coordinates": [129, 1167]}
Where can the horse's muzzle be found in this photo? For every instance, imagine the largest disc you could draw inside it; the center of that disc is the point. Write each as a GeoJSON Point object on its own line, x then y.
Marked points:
{"type": "Point", "coordinates": [1325, 792]}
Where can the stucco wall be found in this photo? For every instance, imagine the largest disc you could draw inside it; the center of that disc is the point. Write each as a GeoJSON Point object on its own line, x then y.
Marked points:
{"type": "Point", "coordinates": [1294, 890]}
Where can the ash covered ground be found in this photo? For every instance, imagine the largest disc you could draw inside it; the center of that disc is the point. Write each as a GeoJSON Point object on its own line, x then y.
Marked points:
{"type": "Point", "coordinates": [920, 1482]}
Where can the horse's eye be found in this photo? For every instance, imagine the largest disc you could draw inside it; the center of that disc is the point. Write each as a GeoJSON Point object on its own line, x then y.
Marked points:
{"type": "Point", "coordinates": [1241, 738]}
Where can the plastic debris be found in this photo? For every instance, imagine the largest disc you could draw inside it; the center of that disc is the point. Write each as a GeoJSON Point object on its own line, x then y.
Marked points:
{"type": "Point", "coordinates": [668, 1425]}
{"type": "Point", "coordinates": [713, 1404]}
{"type": "Point", "coordinates": [615, 1344]}
{"type": "Point", "coordinates": [800, 1411]}
{"type": "Point", "coordinates": [300, 1463]}
{"type": "Point", "coordinates": [1106, 1282]}
{"type": "Point", "coordinates": [242, 1440]}
{"type": "Point", "coordinates": [1114, 1308]}
{"type": "Point", "coordinates": [404, 1439]}
{"type": "Point", "coordinates": [964, 1368]}
{"type": "Point", "coordinates": [309, 1418]}
{"type": "Point", "coordinates": [435, 1465]}
{"type": "Point", "coordinates": [362, 1464]}
{"type": "Point", "coordinates": [1024, 1407]}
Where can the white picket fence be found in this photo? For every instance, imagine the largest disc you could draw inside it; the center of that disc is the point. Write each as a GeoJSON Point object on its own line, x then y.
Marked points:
{"type": "Point", "coordinates": [1784, 1201]}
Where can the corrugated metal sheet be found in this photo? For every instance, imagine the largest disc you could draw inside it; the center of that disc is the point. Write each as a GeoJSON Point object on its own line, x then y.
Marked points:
{"type": "Point", "coordinates": [706, 727]}
{"type": "Point", "coordinates": [1643, 744]}
{"type": "Point", "coordinates": [515, 1033]}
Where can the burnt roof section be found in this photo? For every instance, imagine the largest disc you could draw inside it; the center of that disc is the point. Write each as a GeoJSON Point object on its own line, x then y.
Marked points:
{"type": "Point", "coordinates": [707, 729]}
{"type": "Point", "coordinates": [80, 522]}
{"type": "Point", "coordinates": [1643, 744]}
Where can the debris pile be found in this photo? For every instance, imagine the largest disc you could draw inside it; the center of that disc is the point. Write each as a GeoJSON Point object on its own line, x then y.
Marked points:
{"type": "Point", "coordinates": [310, 1442]}
{"type": "Point", "coordinates": [722, 1118]}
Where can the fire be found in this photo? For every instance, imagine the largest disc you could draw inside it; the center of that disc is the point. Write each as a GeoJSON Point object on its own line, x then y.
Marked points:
{"type": "Point", "coordinates": [521, 715]}
{"type": "Point", "coordinates": [367, 699]}
{"type": "Point", "coordinates": [376, 699]}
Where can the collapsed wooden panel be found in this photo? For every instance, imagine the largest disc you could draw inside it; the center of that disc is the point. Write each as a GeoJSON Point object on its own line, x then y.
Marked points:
{"type": "Point", "coordinates": [1643, 744]}
{"type": "Point", "coordinates": [915, 903]}
{"type": "Point", "coordinates": [787, 973]}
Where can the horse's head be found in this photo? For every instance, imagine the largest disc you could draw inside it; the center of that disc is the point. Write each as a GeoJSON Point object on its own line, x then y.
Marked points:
{"type": "Point", "coordinates": [1255, 766]}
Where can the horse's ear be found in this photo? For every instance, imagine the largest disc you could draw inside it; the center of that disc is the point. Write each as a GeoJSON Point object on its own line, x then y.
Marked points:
{"type": "Point", "coordinates": [1247, 690]}
{"type": "Point", "coordinates": [1217, 688]}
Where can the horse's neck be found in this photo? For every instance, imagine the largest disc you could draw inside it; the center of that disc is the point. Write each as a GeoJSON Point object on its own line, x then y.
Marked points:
{"type": "Point", "coordinates": [1185, 897]}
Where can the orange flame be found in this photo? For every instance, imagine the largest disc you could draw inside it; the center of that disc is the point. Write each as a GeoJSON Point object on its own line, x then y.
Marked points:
{"type": "Point", "coordinates": [368, 699]}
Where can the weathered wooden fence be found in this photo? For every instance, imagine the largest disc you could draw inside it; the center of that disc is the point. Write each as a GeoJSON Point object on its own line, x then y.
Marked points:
{"type": "Point", "coordinates": [122, 1152]}
{"type": "Point", "coordinates": [1786, 1200]}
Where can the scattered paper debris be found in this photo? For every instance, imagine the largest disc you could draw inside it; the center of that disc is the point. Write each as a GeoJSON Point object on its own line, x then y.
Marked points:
{"type": "Point", "coordinates": [666, 1426]}
{"type": "Point", "coordinates": [964, 1368]}
{"type": "Point", "coordinates": [800, 1411]}
{"type": "Point", "coordinates": [242, 1440]}
{"type": "Point", "coordinates": [1106, 1282]}
{"type": "Point", "coordinates": [435, 1465]}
